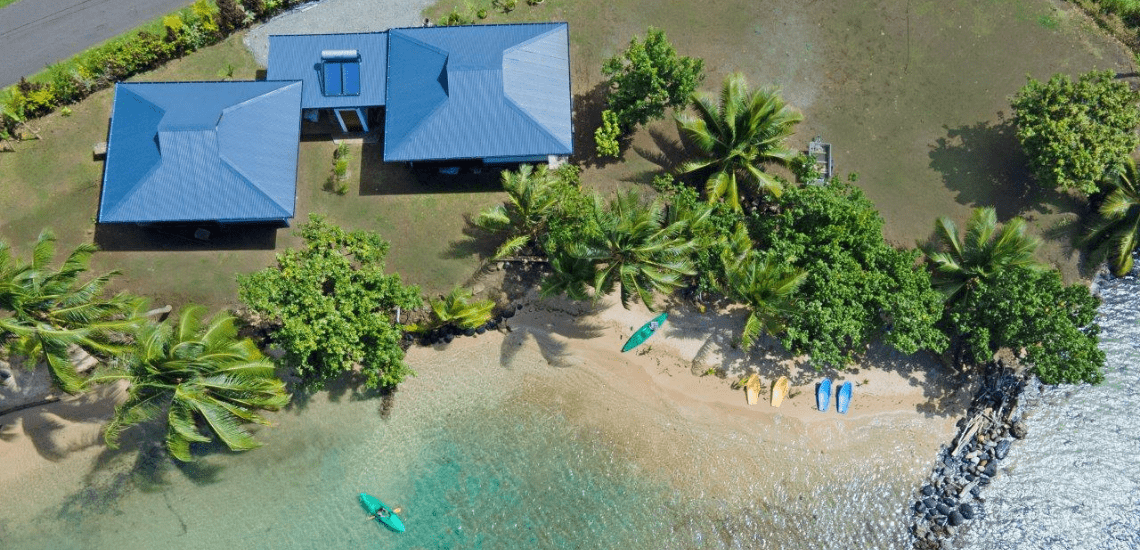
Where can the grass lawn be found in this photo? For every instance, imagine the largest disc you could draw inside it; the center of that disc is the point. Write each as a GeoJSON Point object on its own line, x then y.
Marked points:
{"type": "Point", "coordinates": [7, 2]}
{"type": "Point", "coordinates": [913, 95]}
{"type": "Point", "coordinates": [54, 183]}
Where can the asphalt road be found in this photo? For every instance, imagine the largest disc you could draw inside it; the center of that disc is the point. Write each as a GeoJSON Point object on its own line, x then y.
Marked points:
{"type": "Point", "coordinates": [37, 33]}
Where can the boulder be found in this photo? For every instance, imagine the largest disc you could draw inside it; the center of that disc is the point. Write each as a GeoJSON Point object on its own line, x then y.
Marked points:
{"type": "Point", "coordinates": [942, 508]}
{"type": "Point", "coordinates": [1002, 448]}
{"type": "Point", "coordinates": [966, 511]}
{"type": "Point", "coordinates": [956, 518]}
{"type": "Point", "coordinates": [1018, 430]}
{"type": "Point", "coordinates": [929, 503]}
{"type": "Point", "coordinates": [991, 470]}
{"type": "Point", "coordinates": [927, 490]}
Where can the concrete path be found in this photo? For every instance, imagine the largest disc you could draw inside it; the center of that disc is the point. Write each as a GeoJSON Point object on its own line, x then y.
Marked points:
{"type": "Point", "coordinates": [37, 33]}
{"type": "Point", "coordinates": [336, 16]}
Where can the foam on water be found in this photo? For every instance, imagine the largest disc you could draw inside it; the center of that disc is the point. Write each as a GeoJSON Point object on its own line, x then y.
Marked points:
{"type": "Point", "coordinates": [1074, 481]}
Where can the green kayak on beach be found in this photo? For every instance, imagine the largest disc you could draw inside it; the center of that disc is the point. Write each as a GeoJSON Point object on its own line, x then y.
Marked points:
{"type": "Point", "coordinates": [644, 332]}
{"type": "Point", "coordinates": [372, 505]}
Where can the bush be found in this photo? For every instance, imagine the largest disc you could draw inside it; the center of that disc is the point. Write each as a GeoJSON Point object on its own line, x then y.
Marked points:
{"type": "Point", "coordinates": [648, 77]}
{"type": "Point", "coordinates": [1076, 133]}
{"type": "Point", "coordinates": [606, 137]}
{"type": "Point", "coordinates": [230, 16]}
{"type": "Point", "coordinates": [456, 18]}
{"type": "Point", "coordinates": [256, 8]}
{"type": "Point", "coordinates": [805, 167]}
{"type": "Point", "coordinates": [506, 5]}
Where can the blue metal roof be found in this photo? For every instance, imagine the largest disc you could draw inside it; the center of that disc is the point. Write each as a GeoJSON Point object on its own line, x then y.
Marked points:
{"type": "Point", "coordinates": [202, 151]}
{"type": "Point", "coordinates": [478, 91]}
{"type": "Point", "coordinates": [298, 57]}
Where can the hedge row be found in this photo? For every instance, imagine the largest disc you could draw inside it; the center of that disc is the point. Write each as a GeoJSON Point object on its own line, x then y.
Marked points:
{"type": "Point", "coordinates": [204, 23]}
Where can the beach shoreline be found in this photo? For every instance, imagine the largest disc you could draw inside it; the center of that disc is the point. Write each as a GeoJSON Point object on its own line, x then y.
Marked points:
{"type": "Point", "coordinates": [649, 405]}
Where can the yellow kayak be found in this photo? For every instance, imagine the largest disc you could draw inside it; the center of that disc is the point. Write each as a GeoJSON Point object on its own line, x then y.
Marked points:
{"type": "Point", "coordinates": [780, 391]}
{"type": "Point", "coordinates": [752, 389]}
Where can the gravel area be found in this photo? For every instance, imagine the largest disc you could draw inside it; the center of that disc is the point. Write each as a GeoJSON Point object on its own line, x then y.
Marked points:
{"type": "Point", "coordinates": [336, 16]}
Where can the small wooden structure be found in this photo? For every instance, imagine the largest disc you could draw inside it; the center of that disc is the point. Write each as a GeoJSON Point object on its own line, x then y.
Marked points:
{"type": "Point", "coordinates": [821, 152]}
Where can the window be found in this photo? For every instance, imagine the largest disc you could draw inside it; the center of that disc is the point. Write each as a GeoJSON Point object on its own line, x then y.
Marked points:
{"type": "Point", "coordinates": [341, 72]}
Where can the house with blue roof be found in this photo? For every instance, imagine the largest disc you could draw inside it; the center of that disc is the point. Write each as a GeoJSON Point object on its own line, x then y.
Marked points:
{"type": "Point", "coordinates": [202, 151]}
{"type": "Point", "coordinates": [227, 151]}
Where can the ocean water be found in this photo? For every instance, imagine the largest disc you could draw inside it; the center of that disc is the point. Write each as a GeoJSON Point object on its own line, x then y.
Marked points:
{"type": "Point", "coordinates": [1074, 482]}
{"type": "Point", "coordinates": [499, 458]}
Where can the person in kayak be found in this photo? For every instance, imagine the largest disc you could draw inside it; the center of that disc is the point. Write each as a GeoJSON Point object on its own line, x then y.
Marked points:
{"type": "Point", "coordinates": [383, 513]}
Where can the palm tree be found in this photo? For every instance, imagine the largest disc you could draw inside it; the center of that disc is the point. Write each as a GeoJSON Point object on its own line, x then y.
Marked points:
{"type": "Point", "coordinates": [635, 251]}
{"type": "Point", "coordinates": [767, 290]}
{"type": "Point", "coordinates": [205, 379]}
{"type": "Point", "coordinates": [459, 308]}
{"type": "Point", "coordinates": [530, 202]}
{"type": "Point", "coordinates": [981, 255]}
{"type": "Point", "coordinates": [746, 130]}
{"type": "Point", "coordinates": [55, 319]}
{"type": "Point", "coordinates": [1119, 227]}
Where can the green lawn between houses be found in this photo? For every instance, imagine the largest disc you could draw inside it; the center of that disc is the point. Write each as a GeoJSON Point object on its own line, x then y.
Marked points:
{"type": "Point", "coordinates": [914, 100]}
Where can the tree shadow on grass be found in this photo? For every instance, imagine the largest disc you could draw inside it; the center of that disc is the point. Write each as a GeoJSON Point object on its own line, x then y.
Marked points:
{"type": "Point", "coordinates": [476, 242]}
{"type": "Point", "coordinates": [984, 165]}
{"type": "Point", "coordinates": [587, 117]}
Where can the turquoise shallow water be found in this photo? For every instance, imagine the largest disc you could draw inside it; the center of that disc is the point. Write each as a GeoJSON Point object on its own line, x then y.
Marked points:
{"type": "Point", "coordinates": [488, 451]}
{"type": "Point", "coordinates": [508, 477]}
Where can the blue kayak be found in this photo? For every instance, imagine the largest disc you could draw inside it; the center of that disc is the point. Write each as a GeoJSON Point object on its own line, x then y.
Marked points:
{"type": "Point", "coordinates": [823, 395]}
{"type": "Point", "coordinates": [843, 398]}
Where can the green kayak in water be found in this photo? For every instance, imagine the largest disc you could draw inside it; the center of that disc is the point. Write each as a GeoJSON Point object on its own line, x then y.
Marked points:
{"type": "Point", "coordinates": [644, 332]}
{"type": "Point", "coordinates": [373, 506]}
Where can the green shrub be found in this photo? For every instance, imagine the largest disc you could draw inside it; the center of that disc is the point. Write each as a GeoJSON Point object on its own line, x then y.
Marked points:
{"type": "Point", "coordinates": [805, 167]}
{"type": "Point", "coordinates": [507, 6]}
{"type": "Point", "coordinates": [456, 18]}
{"type": "Point", "coordinates": [648, 77]}
{"type": "Point", "coordinates": [606, 137]}
{"type": "Point", "coordinates": [481, 14]}
{"type": "Point", "coordinates": [230, 16]}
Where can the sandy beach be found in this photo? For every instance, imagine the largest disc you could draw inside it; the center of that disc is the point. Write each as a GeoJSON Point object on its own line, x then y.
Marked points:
{"type": "Point", "coordinates": [652, 406]}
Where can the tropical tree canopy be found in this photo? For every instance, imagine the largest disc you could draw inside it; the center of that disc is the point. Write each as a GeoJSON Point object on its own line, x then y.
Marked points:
{"type": "Point", "coordinates": [333, 305]}
{"type": "Point", "coordinates": [55, 318]}
{"type": "Point", "coordinates": [734, 138]}
{"type": "Point", "coordinates": [206, 380]}
{"type": "Point", "coordinates": [1118, 230]}
{"type": "Point", "coordinates": [1076, 134]}
{"type": "Point", "coordinates": [1031, 310]}
{"type": "Point", "coordinates": [531, 201]}
{"type": "Point", "coordinates": [857, 285]}
{"type": "Point", "coordinates": [983, 253]}
{"type": "Point", "coordinates": [647, 78]}
{"type": "Point", "coordinates": [635, 252]}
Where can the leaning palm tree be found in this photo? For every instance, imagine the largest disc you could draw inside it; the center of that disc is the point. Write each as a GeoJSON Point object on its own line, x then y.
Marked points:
{"type": "Point", "coordinates": [747, 129]}
{"type": "Point", "coordinates": [768, 291]}
{"type": "Point", "coordinates": [55, 319]}
{"type": "Point", "coordinates": [204, 379]}
{"type": "Point", "coordinates": [530, 202]}
{"type": "Point", "coordinates": [635, 251]}
{"type": "Point", "coordinates": [1119, 227]}
{"type": "Point", "coordinates": [981, 255]}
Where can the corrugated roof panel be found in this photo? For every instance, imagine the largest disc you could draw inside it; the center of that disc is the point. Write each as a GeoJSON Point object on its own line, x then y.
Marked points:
{"type": "Point", "coordinates": [299, 57]}
{"type": "Point", "coordinates": [228, 154]}
{"type": "Point", "coordinates": [507, 92]}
